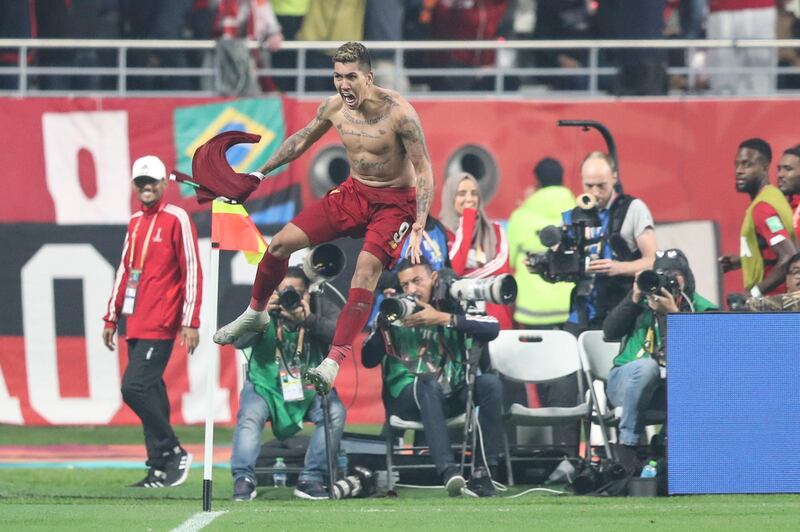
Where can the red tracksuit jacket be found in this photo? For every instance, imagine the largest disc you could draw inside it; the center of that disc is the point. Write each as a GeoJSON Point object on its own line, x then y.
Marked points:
{"type": "Point", "coordinates": [460, 244]}
{"type": "Point", "coordinates": [170, 289]}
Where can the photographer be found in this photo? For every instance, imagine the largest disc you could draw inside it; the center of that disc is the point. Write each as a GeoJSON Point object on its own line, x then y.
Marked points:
{"type": "Point", "coordinates": [425, 373]}
{"type": "Point", "coordinates": [639, 321]}
{"type": "Point", "coordinates": [603, 243]}
{"type": "Point", "coordinates": [274, 389]}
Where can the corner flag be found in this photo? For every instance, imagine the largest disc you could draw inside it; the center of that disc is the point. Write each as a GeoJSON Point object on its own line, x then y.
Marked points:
{"type": "Point", "coordinates": [233, 230]}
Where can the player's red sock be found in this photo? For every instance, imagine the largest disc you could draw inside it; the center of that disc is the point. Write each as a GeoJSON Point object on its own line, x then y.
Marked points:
{"type": "Point", "coordinates": [351, 321]}
{"type": "Point", "coordinates": [269, 275]}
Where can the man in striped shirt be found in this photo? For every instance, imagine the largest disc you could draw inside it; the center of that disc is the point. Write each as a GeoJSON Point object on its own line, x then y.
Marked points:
{"type": "Point", "coordinates": [158, 288]}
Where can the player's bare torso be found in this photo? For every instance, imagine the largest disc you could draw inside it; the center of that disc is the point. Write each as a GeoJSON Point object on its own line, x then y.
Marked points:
{"type": "Point", "coordinates": [370, 136]}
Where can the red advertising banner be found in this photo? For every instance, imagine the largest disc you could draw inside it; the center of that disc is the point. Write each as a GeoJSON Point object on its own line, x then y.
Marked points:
{"type": "Point", "coordinates": [65, 169]}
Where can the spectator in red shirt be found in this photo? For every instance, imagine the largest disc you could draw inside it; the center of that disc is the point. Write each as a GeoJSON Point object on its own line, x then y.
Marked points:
{"type": "Point", "coordinates": [767, 234]}
{"type": "Point", "coordinates": [158, 289]}
{"type": "Point", "coordinates": [789, 182]}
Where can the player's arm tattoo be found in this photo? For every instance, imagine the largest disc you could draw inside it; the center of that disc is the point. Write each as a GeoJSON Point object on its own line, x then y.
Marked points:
{"type": "Point", "coordinates": [413, 139]}
{"type": "Point", "coordinates": [294, 146]}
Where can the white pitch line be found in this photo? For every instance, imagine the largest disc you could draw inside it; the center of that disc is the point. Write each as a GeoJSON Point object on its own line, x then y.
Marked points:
{"type": "Point", "coordinates": [198, 521]}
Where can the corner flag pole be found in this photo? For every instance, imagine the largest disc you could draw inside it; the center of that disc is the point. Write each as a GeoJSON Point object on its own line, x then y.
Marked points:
{"type": "Point", "coordinates": [211, 368]}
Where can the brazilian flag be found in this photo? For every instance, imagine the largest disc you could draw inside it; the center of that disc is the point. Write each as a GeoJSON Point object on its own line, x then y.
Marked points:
{"type": "Point", "coordinates": [194, 125]}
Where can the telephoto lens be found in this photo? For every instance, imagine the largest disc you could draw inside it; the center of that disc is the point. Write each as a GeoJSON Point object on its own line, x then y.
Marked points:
{"type": "Point", "coordinates": [500, 290]}
{"type": "Point", "coordinates": [649, 282]}
{"type": "Point", "coordinates": [398, 308]}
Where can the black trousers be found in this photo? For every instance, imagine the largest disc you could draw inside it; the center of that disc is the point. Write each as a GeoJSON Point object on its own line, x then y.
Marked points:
{"type": "Point", "coordinates": [424, 401]}
{"type": "Point", "coordinates": [143, 390]}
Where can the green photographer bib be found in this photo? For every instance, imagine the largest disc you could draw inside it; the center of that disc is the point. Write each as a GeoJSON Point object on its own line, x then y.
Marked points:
{"type": "Point", "coordinates": [267, 367]}
{"type": "Point", "coordinates": [419, 351]}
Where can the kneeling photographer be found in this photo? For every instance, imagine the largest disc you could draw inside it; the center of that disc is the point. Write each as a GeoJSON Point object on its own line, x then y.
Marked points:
{"type": "Point", "coordinates": [429, 349]}
{"type": "Point", "coordinates": [636, 381]}
{"type": "Point", "coordinates": [296, 338]}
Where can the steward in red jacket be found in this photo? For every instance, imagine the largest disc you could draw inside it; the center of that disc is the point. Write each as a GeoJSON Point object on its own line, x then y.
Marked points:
{"type": "Point", "coordinates": [158, 289]}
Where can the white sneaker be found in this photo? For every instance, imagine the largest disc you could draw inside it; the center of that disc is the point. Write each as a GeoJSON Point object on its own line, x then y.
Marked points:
{"type": "Point", "coordinates": [454, 485]}
{"type": "Point", "coordinates": [322, 376]}
{"type": "Point", "coordinates": [251, 321]}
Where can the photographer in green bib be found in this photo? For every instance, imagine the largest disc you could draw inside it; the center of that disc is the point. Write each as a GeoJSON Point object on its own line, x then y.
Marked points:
{"type": "Point", "coordinates": [297, 338]}
{"type": "Point", "coordinates": [424, 342]}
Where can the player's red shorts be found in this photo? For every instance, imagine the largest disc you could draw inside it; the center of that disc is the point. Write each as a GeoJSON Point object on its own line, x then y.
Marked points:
{"type": "Point", "coordinates": [383, 216]}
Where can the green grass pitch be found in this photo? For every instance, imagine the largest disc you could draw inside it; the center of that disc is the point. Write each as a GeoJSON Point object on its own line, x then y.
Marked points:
{"type": "Point", "coordinates": [97, 499]}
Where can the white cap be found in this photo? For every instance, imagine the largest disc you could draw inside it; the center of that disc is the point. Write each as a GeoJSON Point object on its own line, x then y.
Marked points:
{"type": "Point", "coordinates": [149, 166]}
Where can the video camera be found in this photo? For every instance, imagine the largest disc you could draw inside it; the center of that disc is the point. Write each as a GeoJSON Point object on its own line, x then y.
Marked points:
{"type": "Point", "coordinates": [651, 282]}
{"type": "Point", "coordinates": [569, 244]}
{"type": "Point", "coordinates": [450, 291]}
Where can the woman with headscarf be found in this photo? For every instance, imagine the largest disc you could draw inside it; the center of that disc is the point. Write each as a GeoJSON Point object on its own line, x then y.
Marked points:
{"type": "Point", "coordinates": [478, 247]}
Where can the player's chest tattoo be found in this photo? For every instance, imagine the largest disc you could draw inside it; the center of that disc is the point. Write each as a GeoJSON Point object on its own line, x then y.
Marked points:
{"type": "Point", "coordinates": [360, 133]}
{"type": "Point", "coordinates": [363, 121]}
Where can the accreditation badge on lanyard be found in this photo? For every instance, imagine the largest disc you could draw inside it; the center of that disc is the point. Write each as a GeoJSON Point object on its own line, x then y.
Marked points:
{"type": "Point", "coordinates": [291, 384]}
{"type": "Point", "coordinates": [135, 274]}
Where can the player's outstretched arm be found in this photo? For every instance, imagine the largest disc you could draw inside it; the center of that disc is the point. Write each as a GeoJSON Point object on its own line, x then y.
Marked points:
{"type": "Point", "coordinates": [410, 132]}
{"type": "Point", "coordinates": [294, 146]}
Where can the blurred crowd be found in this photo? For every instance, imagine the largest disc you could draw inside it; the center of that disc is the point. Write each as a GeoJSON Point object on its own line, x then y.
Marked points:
{"type": "Point", "coordinates": [641, 71]}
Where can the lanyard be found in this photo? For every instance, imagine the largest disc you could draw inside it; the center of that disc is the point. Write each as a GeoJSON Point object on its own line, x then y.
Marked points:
{"type": "Point", "coordinates": [146, 241]}
{"type": "Point", "coordinates": [279, 357]}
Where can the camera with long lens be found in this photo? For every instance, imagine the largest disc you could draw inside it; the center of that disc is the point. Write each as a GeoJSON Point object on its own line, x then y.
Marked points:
{"type": "Point", "coordinates": [651, 282]}
{"type": "Point", "coordinates": [361, 483]}
{"type": "Point", "coordinates": [398, 308]}
{"type": "Point", "coordinates": [289, 298]}
{"type": "Point", "coordinates": [450, 292]}
{"type": "Point", "coordinates": [569, 244]}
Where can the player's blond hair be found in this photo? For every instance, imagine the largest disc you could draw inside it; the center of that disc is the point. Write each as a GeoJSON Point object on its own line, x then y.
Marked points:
{"type": "Point", "coordinates": [353, 52]}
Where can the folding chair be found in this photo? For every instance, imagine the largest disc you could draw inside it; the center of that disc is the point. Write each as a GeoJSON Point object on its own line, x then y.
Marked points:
{"type": "Point", "coordinates": [537, 357]}
{"type": "Point", "coordinates": [402, 424]}
{"type": "Point", "coordinates": [597, 359]}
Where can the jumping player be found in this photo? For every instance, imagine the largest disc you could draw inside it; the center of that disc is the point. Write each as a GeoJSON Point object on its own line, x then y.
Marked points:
{"type": "Point", "coordinates": [389, 192]}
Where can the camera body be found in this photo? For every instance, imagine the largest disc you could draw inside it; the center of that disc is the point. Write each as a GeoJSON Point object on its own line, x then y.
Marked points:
{"type": "Point", "coordinates": [651, 282]}
{"type": "Point", "coordinates": [569, 244]}
{"type": "Point", "coordinates": [289, 298]}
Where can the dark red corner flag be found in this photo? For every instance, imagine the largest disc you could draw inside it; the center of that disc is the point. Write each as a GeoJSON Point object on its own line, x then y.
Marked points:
{"type": "Point", "coordinates": [213, 177]}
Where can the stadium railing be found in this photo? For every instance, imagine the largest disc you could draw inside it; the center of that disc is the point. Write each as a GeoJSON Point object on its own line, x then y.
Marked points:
{"type": "Point", "coordinates": [24, 78]}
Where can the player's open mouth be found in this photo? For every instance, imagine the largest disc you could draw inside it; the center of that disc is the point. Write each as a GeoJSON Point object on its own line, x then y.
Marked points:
{"type": "Point", "coordinates": [349, 98]}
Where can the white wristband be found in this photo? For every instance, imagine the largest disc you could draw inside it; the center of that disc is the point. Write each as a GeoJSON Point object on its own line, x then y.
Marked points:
{"type": "Point", "coordinates": [755, 292]}
{"type": "Point", "coordinates": [259, 175]}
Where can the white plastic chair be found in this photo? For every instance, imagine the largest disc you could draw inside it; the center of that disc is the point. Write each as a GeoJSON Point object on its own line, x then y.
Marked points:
{"type": "Point", "coordinates": [597, 358]}
{"type": "Point", "coordinates": [533, 356]}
